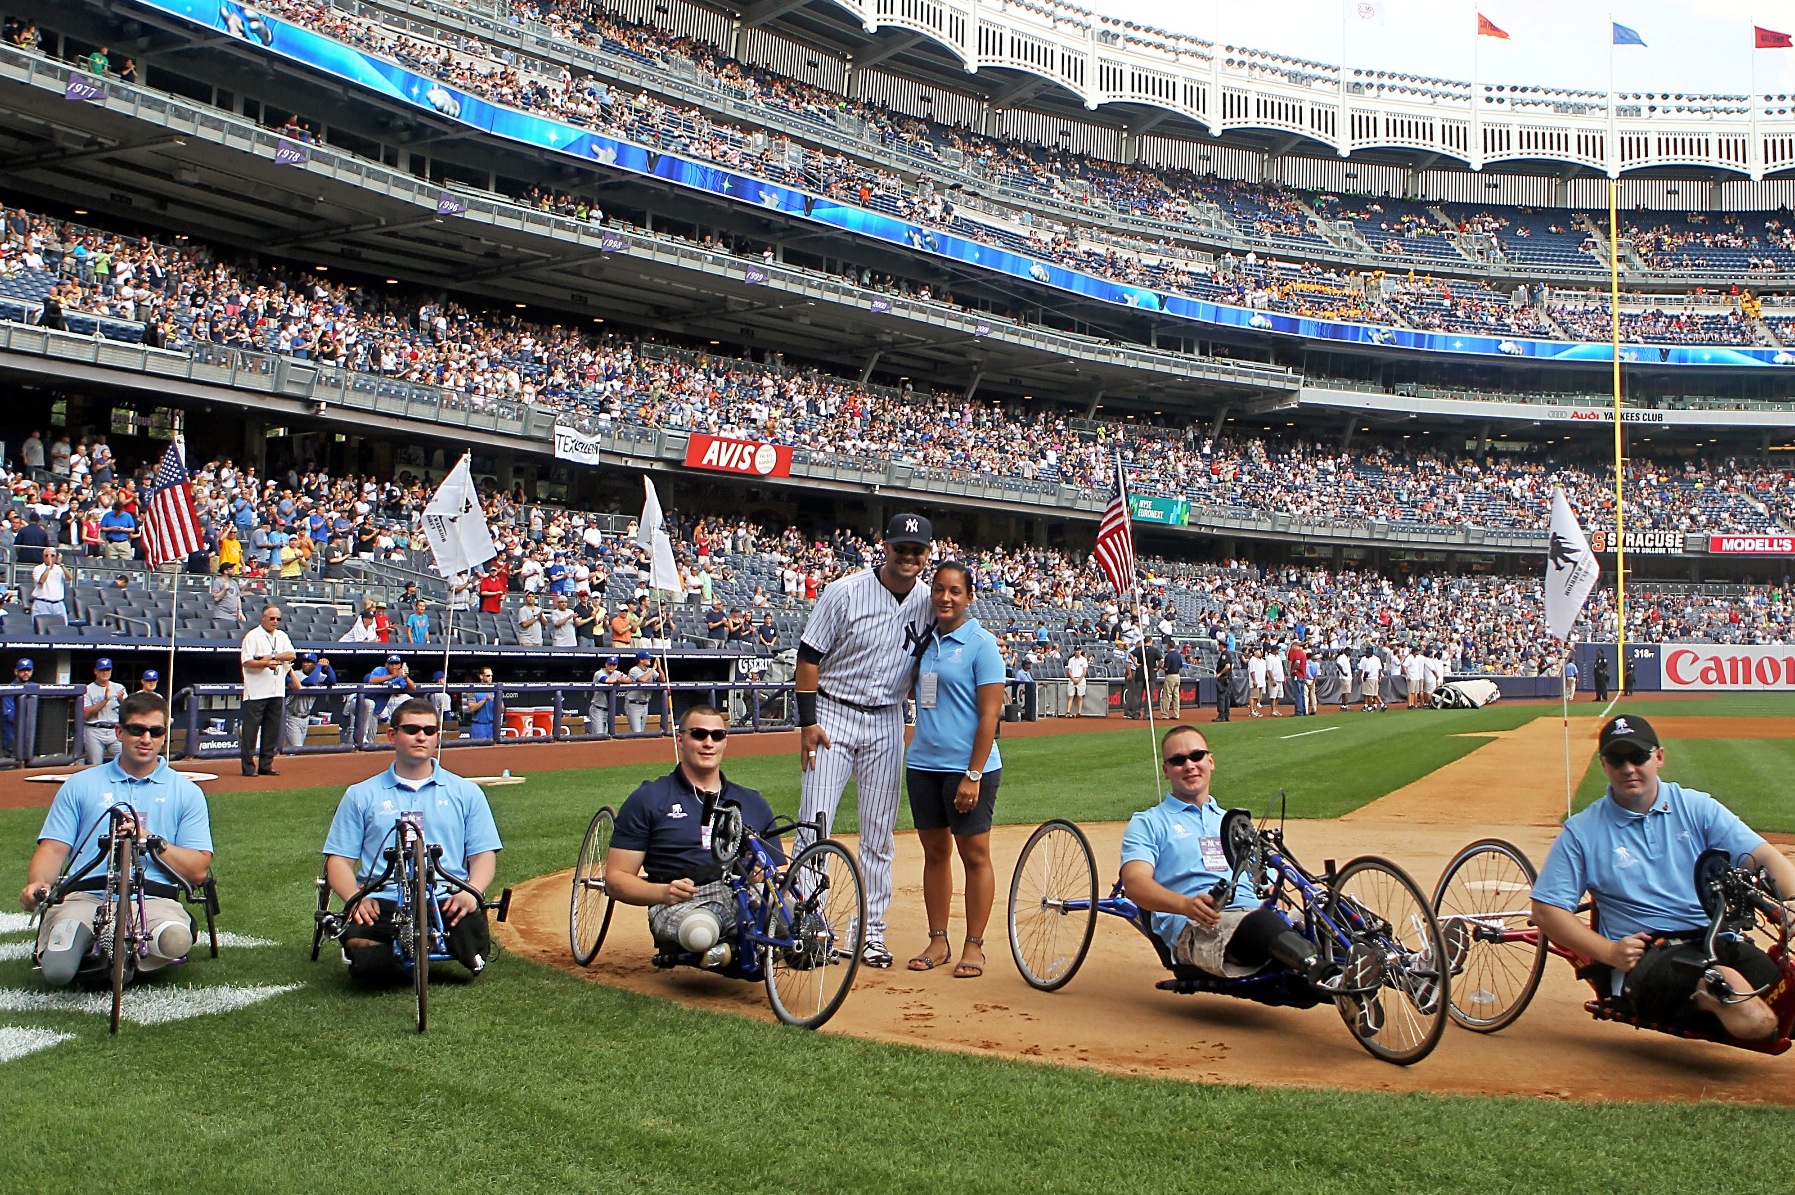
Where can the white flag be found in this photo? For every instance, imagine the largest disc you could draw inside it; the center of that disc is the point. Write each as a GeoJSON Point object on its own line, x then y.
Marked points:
{"type": "Point", "coordinates": [455, 526]}
{"type": "Point", "coordinates": [663, 572]}
{"type": "Point", "coordinates": [1571, 568]}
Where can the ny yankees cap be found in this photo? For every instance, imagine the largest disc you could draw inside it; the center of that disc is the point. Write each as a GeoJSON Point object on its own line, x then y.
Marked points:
{"type": "Point", "coordinates": [909, 529]}
{"type": "Point", "coordinates": [1628, 728]}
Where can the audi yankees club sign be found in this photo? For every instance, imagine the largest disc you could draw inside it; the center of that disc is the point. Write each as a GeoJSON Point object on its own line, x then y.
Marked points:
{"type": "Point", "coordinates": [1725, 668]}
{"type": "Point", "coordinates": [746, 458]}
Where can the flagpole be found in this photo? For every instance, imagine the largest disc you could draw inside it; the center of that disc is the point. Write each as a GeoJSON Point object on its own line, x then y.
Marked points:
{"type": "Point", "coordinates": [1133, 595]}
{"type": "Point", "coordinates": [448, 638]}
{"type": "Point", "coordinates": [1620, 514]}
{"type": "Point", "coordinates": [1565, 694]}
{"type": "Point", "coordinates": [174, 614]}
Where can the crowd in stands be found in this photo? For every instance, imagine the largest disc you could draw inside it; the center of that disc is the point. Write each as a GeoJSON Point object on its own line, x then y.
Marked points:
{"type": "Point", "coordinates": [490, 359]}
{"type": "Point", "coordinates": [739, 576]}
{"type": "Point", "coordinates": [1404, 230]}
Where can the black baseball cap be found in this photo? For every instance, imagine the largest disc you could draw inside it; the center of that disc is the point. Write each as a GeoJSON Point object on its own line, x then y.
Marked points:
{"type": "Point", "coordinates": [909, 529]}
{"type": "Point", "coordinates": [1627, 729]}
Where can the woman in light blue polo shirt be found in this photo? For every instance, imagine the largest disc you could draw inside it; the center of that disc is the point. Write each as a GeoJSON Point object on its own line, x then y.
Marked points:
{"type": "Point", "coordinates": [952, 767]}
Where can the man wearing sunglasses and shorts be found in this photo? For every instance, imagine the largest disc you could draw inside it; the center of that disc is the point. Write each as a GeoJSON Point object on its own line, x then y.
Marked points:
{"type": "Point", "coordinates": [1174, 869]}
{"type": "Point", "coordinates": [1634, 852]}
{"type": "Point", "coordinates": [661, 852]}
{"type": "Point", "coordinates": [166, 805]}
{"type": "Point", "coordinates": [456, 818]}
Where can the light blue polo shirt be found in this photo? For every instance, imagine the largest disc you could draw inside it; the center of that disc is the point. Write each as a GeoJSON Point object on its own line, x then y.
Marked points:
{"type": "Point", "coordinates": [961, 660]}
{"type": "Point", "coordinates": [1640, 867]}
{"type": "Point", "coordinates": [456, 818]}
{"type": "Point", "coordinates": [168, 805]}
{"type": "Point", "coordinates": [1183, 842]}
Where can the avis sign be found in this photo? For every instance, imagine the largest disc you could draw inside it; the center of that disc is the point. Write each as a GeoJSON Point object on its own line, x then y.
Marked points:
{"type": "Point", "coordinates": [1721, 668]}
{"type": "Point", "coordinates": [744, 457]}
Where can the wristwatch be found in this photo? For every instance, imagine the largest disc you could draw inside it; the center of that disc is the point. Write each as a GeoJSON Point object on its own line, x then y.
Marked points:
{"type": "Point", "coordinates": [974, 775]}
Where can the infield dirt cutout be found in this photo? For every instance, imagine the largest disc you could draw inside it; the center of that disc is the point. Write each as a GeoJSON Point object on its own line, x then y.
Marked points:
{"type": "Point", "coordinates": [1112, 1018]}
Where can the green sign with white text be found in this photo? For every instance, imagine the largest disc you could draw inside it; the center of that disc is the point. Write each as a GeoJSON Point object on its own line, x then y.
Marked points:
{"type": "Point", "coordinates": [1171, 512]}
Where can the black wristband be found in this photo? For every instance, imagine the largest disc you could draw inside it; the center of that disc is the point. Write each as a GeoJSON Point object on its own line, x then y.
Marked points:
{"type": "Point", "coordinates": [806, 707]}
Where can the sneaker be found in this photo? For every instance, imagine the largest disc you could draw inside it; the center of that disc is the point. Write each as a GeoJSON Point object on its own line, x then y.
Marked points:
{"type": "Point", "coordinates": [874, 954]}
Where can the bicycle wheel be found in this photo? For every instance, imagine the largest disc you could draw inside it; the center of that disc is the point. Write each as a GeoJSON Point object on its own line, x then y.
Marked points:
{"type": "Point", "coordinates": [119, 885]}
{"type": "Point", "coordinates": [323, 907]}
{"type": "Point", "coordinates": [589, 906]}
{"type": "Point", "coordinates": [1400, 956]}
{"type": "Point", "coordinates": [420, 929]}
{"type": "Point", "coordinates": [1484, 894]}
{"type": "Point", "coordinates": [1048, 939]}
{"type": "Point", "coordinates": [821, 904]}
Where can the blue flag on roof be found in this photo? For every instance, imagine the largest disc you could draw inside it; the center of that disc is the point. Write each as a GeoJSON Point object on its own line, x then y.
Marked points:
{"type": "Point", "coordinates": [1624, 36]}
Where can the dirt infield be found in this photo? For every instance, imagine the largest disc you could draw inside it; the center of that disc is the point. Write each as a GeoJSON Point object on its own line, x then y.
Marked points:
{"type": "Point", "coordinates": [1111, 1017]}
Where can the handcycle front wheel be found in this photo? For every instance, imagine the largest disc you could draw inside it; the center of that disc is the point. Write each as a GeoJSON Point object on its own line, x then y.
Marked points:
{"type": "Point", "coordinates": [820, 904]}
{"type": "Point", "coordinates": [1395, 936]}
{"type": "Point", "coordinates": [119, 886]}
{"type": "Point", "coordinates": [1484, 896]}
{"type": "Point", "coordinates": [318, 916]}
{"type": "Point", "coordinates": [1053, 905]}
{"type": "Point", "coordinates": [590, 906]}
{"type": "Point", "coordinates": [420, 928]}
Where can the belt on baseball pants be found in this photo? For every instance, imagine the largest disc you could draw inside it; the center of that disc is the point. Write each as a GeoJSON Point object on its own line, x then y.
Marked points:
{"type": "Point", "coordinates": [853, 705]}
{"type": "Point", "coordinates": [102, 725]}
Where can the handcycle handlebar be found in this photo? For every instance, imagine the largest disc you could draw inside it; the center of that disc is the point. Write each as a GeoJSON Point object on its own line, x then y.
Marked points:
{"type": "Point", "coordinates": [1735, 898]}
{"type": "Point", "coordinates": [152, 845]}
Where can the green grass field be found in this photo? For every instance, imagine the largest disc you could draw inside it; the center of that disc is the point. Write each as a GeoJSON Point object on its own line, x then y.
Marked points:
{"type": "Point", "coordinates": [530, 1080]}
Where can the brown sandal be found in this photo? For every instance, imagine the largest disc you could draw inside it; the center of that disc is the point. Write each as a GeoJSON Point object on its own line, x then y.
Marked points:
{"type": "Point", "coordinates": [923, 962]}
{"type": "Point", "coordinates": [968, 970]}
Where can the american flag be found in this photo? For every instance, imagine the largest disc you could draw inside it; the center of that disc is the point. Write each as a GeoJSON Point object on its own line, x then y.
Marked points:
{"type": "Point", "coordinates": [170, 523]}
{"type": "Point", "coordinates": [1115, 539]}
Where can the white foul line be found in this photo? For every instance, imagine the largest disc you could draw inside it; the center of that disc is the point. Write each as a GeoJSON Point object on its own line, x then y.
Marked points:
{"type": "Point", "coordinates": [1307, 733]}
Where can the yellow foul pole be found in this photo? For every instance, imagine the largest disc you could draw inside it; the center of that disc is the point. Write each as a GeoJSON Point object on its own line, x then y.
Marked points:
{"type": "Point", "coordinates": [1620, 523]}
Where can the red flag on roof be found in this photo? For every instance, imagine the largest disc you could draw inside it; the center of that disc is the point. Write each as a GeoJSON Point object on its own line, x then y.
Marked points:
{"type": "Point", "coordinates": [1488, 28]}
{"type": "Point", "coordinates": [1770, 39]}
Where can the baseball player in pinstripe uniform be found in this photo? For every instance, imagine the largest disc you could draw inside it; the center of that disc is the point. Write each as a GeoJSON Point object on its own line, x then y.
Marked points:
{"type": "Point", "coordinates": [855, 663]}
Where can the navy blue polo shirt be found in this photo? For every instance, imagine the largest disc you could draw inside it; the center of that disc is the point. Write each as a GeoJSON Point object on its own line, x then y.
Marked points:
{"type": "Point", "coordinates": [662, 819]}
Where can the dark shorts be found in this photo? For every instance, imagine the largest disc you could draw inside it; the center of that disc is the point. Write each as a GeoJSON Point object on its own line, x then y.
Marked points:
{"type": "Point", "coordinates": [1659, 987]}
{"type": "Point", "coordinates": [932, 801]}
{"type": "Point", "coordinates": [469, 942]}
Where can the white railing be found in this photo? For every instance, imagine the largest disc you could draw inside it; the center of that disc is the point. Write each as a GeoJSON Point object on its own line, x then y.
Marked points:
{"type": "Point", "coordinates": [1103, 60]}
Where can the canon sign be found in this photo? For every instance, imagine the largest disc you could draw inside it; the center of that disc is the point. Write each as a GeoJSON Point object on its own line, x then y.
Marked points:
{"type": "Point", "coordinates": [1715, 668]}
{"type": "Point", "coordinates": [738, 456]}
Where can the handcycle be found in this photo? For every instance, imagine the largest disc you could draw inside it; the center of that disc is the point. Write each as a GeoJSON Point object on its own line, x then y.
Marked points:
{"type": "Point", "coordinates": [413, 867]}
{"type": "Point", "coordinates": [1497, 954]}
{"type": "Point", "coordinates": [799, 927]}
{"type": "Point", "coordinates": [121, 935]}
{"type": "Point", "coordinates": [1369, 918]}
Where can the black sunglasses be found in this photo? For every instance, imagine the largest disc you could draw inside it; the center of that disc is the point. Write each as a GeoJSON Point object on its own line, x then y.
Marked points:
{"type": "Point", "coordinates": [1633, 756]}
{"type": "Point", "coordinates": [137, 730]}
{"type": "Point", "coordinates": [1178, 761]}
{"type": "Point", "coordinates": [715, 734]}
{"type": "Point", "coordinates": [423, 728]}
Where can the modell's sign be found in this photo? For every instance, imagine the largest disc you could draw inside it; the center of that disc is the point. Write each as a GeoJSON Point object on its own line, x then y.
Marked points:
{"type": "Point", "coordinates": [1717, 667]}
{"type": "Point", "coordinates": [738, 456]}
{"type": "Point", "coordinates": [1751, 545]}
{"type": "Point", "coordinates": [1643, 543]}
